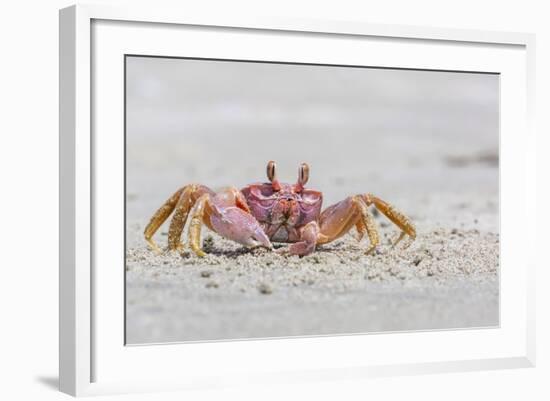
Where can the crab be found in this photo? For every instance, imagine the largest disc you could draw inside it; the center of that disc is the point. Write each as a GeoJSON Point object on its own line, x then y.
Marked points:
{"type": "Point", "coordinates": [261, 214]}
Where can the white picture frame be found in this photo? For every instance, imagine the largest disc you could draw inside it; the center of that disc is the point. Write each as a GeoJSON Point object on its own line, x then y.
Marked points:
{"type": "Point", "coordinates": [93, 359]}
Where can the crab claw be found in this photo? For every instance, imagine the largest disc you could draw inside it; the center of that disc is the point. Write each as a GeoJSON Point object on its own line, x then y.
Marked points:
{"type": "Point", "coordinates": [240, 226]}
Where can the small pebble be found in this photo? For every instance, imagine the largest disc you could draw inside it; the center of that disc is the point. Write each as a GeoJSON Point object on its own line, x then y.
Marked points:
{"type": "Point", "coordinates": [264, 289]}
{"type": "Point", "coordinates": [206, 273]}
{"type": "Point", "coordinates": [211, 284]}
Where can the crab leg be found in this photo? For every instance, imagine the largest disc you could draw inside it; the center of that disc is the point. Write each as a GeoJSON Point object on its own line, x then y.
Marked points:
{"type": "Point", "coordinates": [361, 230]}
{"type": "Point", "coordinates": [195, 225]}
{"type": "Point", "coordinates": [188, 198]}
{"type": "Point", "coordinates": [159, 217]}
{"type": "Point", "coordinates": [339, 218]}
{"type": "Point", "coordinates": [398, 218]}
{"type": "Point", "coordinates": [181, 201]}
{"type": "Point", "coordinates": [367, 220]}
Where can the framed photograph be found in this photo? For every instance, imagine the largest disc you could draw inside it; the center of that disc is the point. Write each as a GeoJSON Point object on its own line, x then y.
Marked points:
{"type": "Point", "coordinates": [271, 200]}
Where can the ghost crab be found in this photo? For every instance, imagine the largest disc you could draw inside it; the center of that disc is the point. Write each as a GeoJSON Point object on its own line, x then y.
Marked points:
{"type": "Point", "coordinates": [262, 213]}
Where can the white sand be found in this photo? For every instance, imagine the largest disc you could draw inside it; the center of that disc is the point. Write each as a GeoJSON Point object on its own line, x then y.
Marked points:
{"type": "Point", "coordinates": [447, 278]}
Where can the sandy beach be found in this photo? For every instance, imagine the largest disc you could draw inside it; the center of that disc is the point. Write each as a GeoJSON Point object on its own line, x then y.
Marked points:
{"type": "Point", "coordinates": [447, 279]}
{"type": "Point", "coordinates": [431, 149]}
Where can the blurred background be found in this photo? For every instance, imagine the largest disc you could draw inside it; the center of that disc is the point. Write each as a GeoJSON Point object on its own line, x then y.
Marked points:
{"type": "Point", "coordinates": [426, 141]}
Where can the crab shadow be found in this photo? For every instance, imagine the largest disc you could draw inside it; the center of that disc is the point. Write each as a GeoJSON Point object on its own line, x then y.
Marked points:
{"type": "Point", "coordinates": [278, 249]}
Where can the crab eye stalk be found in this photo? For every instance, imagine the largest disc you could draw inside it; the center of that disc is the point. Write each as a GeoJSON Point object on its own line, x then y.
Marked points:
{"type": "Point", "coordinates": [272, 177]}
{"type": "Point", "coordinates": [303, 176]}
{"type": "Point", "coordinates": [271, 170]}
